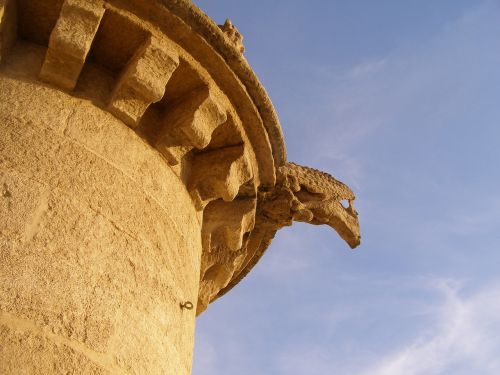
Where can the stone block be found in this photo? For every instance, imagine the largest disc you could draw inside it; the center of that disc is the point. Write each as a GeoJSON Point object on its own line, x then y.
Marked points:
{"type": "Point", "coordinates": [70, 42]}
{"type": "Point", "coordinates": [143, 81]}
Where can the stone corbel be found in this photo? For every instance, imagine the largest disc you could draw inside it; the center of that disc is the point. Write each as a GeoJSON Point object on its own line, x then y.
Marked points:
{"type": "Point", "coordinates": [219, 174]}
{"type": "Point", "coordinates": [225, 223]}
{"type": "Point", "coordinates": [189, 124]}
{"type": "Point", "coordinates": [143, 81]}
{"type": "Point", "coordinates": [70, 42]}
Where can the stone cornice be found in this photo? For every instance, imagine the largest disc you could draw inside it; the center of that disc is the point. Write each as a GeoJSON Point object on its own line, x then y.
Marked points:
{"type": "Point", "coordinates": [232, 54]}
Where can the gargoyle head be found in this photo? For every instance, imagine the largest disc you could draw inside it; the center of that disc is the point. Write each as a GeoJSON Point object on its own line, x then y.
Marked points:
{"type": "Point", "coordinates": [317, 198]}
{"type": "Point", "coordinates": [345, 222]}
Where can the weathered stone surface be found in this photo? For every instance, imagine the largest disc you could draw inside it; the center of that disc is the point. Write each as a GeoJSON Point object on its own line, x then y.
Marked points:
{"type": "Point", "coordinates": [143, 81]}
{"type": "Point", "coordinates": [218, 174]}
{"type": "Point", "coordinates": [189, 125]}
{"type": "Point", "coordinates": [70, 42]}
{"type": "Point", "coordinates": [139, 193]}
{"type": "Point", "coordinates": [90, 251]}
{"type": "Point", "coordinates": [225, 223]}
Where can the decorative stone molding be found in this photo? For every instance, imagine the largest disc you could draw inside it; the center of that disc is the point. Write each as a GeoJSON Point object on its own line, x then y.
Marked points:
{"type": "Point", "coordinates": [173, 86]}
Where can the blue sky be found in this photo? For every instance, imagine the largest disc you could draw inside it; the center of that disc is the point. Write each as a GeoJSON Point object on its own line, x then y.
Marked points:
{"type": "Point", "coordinates": [401, 101]}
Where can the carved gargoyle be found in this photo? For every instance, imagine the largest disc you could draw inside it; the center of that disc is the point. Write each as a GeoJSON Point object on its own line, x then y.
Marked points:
{"type": "Point", "coordinates": [300, 194]}
{"type": "Point", "coordinates": [308, 195]}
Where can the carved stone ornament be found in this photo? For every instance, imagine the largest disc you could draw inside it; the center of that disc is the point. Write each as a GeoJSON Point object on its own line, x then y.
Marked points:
{"type": "Point", "coordinates": [233, 35]}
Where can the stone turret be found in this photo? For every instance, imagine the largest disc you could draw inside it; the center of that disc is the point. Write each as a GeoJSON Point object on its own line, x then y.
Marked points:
{"type": "Point", "coordinates": [142, 174]}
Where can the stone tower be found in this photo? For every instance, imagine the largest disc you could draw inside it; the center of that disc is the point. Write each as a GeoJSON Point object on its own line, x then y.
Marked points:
{"type": "Point", "coordinates": [142, 175]}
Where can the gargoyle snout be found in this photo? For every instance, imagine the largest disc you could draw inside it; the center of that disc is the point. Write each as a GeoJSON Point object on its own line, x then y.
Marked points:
{"type": "Point", "coordinates": [355, 242]}
{"type": "Point", "coordinates": [346, 224]}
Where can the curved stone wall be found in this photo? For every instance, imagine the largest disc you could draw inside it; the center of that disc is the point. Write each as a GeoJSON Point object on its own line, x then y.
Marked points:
{"type": "Point", "coordinates": [100, 243]}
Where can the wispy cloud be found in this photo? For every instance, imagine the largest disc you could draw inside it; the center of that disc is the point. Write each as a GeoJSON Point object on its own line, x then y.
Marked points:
{"type": "Point", "coordinates": [366, 68]}
{"type": "Point", "coordinates": [461, 337]}
{"type": "Point", "coordinates": [407, 94]}
{"type": "Point", "coordinates": [464, 339]}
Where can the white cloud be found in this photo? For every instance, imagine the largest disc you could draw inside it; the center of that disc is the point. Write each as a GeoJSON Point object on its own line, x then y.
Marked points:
{"type": "Point", "coordinates": [465, 339]}
{"type": "Point", "coordinates": [366, 68]}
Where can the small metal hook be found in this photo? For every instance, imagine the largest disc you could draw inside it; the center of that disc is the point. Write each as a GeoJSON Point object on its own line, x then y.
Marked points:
{"type": "Point", "coordinates": [188, 305]}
